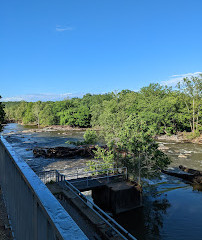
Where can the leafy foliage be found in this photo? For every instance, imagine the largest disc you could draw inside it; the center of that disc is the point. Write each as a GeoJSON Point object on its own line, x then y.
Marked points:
{"type": "Point", "coordinates": [191, 93]}
{"type": "Point", "coordinates": [136, 149]}
{"type": "Point", "coordinates": [2, 114]}
{"type": "Point", "coordinates": [164, 110]}
{"type": "Point", "coordinates": [90, 136]}
{"type": "Point", "coordinates": [105, 157]}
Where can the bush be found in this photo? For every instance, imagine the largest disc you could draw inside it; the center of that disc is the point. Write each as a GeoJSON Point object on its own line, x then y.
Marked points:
{"type": "Point", "coordinates": [90, 136]}
{"type": "Point", "coordinates": [105, 160]}
{"type": "Point", "coordinates": [191, 135]}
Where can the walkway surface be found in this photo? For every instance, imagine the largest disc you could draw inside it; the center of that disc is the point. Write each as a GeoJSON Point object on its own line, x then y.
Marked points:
{"type": "Point", "coordinates": [92, 225]}
{"type": "Point", "coordinates": [5, 232]}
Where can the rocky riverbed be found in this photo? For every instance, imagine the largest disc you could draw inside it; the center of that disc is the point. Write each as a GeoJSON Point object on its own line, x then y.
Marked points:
{"type": "Point", "coordinates": [180, 138]}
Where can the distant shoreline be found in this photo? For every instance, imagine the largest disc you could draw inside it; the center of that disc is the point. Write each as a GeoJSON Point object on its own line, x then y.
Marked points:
{"type": "Point", "coordinates": [180, 137]}
{"type": "Point", "coordinates": [51, 128]}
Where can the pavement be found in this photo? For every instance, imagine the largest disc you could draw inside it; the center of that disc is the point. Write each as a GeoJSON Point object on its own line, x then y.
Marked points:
{"type": "Point", "coordinates": [5, 231]}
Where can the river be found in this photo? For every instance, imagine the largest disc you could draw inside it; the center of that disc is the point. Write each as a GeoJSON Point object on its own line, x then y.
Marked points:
{"type": "Point", "coordinates": [172, 208]}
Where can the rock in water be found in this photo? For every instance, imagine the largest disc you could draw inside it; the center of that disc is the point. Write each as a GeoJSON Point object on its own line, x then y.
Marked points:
{"type": "Point", "coordinates": [190, 170]}
{"type": "Point", "coordinates": [193, 176]}
{"type": "Point", "coordinates": [64, 152]}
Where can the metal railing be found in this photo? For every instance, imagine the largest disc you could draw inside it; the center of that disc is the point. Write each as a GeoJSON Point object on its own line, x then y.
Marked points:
{"type": "Point", "coordinates": [80, 175]}
{"type": "Point", "coordinates": [118, 229]}
{"type": "Point", "coordinates": [33, 211]}
{"type": "Point", "coordinates": [102, 174]}
{"type": "Point", "coordinates": [47, 176]}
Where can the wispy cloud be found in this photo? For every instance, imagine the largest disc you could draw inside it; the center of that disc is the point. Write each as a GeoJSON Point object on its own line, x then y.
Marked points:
{"type": "Point", "coordinates": [174, 79]}
{"type": "Point", "coordinates": [42, 97]}
{"type": "Point", "coordinates": [60, 28]}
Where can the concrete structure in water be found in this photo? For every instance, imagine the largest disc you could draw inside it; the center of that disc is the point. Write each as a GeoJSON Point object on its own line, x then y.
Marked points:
{"type": "Point", "coordinates": [111, 190]}
{"type": "Point", "coordinates": [117, 197]}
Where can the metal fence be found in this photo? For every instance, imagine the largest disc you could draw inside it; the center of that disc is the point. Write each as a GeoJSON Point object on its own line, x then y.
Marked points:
{"type": "Point", "coordinates": [120, 232]}
{"type": "Point", "coordinates": [59, 177]}
{"type": "Point", "coordinates": [82, 175]}
{"type": "Point", "coordinates": [34, 212]}
{"type": "Point", "coordinates": [102, 175]}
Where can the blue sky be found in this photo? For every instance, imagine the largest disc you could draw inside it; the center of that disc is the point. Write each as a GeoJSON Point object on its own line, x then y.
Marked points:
{"type": "Point", "coordinates": [52, 49]}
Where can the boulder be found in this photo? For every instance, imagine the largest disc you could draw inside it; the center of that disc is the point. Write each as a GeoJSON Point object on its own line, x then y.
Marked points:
{"type": "Point", "coordinates": [64, 152]}
{"type": "Point", "coordinates": [193, 176]}
{"type": "Point", "coordinates": [182, 156]}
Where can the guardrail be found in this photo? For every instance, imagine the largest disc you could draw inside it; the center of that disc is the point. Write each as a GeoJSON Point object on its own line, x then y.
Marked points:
{"type": "Point", "coordinates": [76, 170]}
{"type": "Point", "coordinates": [47, 176]}
{"type": "Point", "coordinates": [107, 174]}
{"type": "Point", "coordinates": [81, 175]}
{"type": "Point", "coordinates": [120, 231]}
{"type": "Point", "coordinates": [33, 211]}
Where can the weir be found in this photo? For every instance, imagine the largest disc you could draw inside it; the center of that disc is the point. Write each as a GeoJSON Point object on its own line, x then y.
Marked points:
{"type": "Point", "coordinates": [65, 190]}
{"type": "Point", "coordinates": [110, 187]}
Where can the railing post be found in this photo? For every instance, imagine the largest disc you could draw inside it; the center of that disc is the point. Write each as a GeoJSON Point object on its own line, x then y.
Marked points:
{"type": "Point", "coordinates": [57, 176]}
{"type": "Point", "coordinates": [126, 173]}
{"type": "Point", "coordinates": [87, 179]}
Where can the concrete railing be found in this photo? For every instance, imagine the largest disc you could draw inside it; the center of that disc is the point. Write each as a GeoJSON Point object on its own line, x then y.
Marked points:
{"type": "Point", "coordinates": [33, 211]}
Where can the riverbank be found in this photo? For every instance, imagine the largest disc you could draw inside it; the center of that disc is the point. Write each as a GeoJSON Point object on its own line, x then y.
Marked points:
{"type": "Point", "coordinates": [62, 129]}
{"type": "Point", "coordinates": [180, 138]}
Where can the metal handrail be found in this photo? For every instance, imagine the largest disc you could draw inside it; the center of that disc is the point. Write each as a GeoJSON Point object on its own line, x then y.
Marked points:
{"type": "Point", "coordinates": [92, 177]}
{"type": "Point", "coordinates": [80, 168]}
{"type": "Point", "coordinates": [95, 171]}
{"type": "Point", "coordinates": [104, 216]}
{"type": "Point", "coordinates": [47, 176]}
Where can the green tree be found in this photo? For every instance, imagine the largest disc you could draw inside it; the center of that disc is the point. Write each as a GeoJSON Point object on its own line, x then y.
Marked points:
{"type": "Point", "coordinates": [2, 114]}
{"type": "Point", "coordinates": [105, 160]}
{"type": "Point", "coordinates": [47, 116]}
{"type": "Point", "coordinates": [141, 150]}
{"type": "Point", "coordinates": [90, 136]}
{"type": "Point", "coordinates": [191, 89]}
{"type": "Point", "coordinates": [151, 107]}
{"type": "Point", "coordinates": [28, 116]}
{"type": "Point", "coordinates": [36, 111]}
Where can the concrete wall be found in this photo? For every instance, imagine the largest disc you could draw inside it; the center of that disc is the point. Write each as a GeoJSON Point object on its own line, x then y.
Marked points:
{"type": "Point", "coordinates": [117, 197]}
{"type": "Point", "coordinates": [34, 212]}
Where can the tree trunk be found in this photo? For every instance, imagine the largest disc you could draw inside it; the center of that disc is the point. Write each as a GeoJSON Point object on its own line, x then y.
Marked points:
{"type": "Point", "coordinates": [139, 170]}
{"type": "Point", "coordinates": [197, 120]}
{"type": "Point", "coordinates": [38, 120]}
{"type": "Point", "coordinates": [190, 117]}
{"type": "Point", "coordinates": [193, 118]}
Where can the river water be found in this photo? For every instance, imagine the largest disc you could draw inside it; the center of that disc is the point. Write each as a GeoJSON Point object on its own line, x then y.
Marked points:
{"type": "Point", "coordinates": [172, 208]}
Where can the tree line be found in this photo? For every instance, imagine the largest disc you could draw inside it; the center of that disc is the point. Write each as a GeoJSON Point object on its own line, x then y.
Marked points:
{"type": "Point", "coordinates": [2, 114]}
{"type": "Point", "coordinates": [128, 121]}
{"type": "Point", "coordinates": [163, 109]}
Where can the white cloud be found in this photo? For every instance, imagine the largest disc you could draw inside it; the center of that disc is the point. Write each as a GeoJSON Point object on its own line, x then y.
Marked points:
{"type": "Point", "coordinates": [42, 97]}
{"type": "Point", "coordinates": [60, 28]}
{"type": "Point", "coordinates": [174, 79]}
